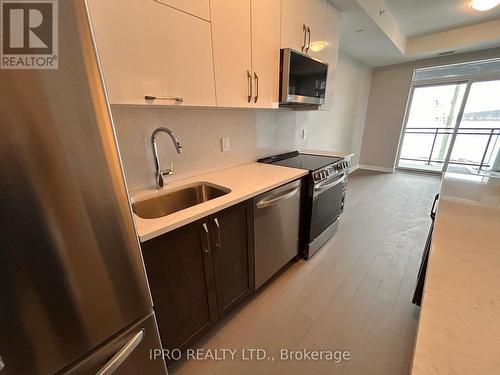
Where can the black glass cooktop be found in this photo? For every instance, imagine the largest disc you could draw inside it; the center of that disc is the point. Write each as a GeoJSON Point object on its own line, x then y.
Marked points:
{"type": "Point", "coordinates": [301, 161]}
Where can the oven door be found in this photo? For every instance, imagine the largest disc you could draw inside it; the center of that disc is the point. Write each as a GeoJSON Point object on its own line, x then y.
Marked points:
{"type": "Point", "coordinates": [328, 203]}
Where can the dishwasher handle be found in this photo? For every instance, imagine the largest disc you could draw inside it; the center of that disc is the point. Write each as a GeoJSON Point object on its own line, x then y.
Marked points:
{"type": "Point", "coordinates": [269, 202]}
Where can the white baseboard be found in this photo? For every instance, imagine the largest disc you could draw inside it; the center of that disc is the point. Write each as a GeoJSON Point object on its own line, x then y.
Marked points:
{"type": "Point", "coordinates": [376, 168]}
{"type": "Point", "coordinates": [353, 168]}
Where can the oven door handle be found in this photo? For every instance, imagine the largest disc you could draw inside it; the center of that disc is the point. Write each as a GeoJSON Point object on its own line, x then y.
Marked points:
{"type": "Point", "coordinates": [323, 187]}
{"type": "Point", "coordinates": [289, 194]}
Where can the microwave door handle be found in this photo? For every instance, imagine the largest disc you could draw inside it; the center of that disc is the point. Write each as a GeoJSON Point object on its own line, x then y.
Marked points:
{"type": "Point", "coordinates": [304, 30]}
{"type": "Point", "coordinates": [308, 40]}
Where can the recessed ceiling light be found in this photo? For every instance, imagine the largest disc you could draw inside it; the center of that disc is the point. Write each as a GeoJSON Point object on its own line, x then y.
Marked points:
{"type": "Point", "coordinates": [484, 5]}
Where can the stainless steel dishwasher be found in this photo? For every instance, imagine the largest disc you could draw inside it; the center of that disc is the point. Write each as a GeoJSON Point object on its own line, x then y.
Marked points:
{"type": "Point", "coordinates": [276, 230]}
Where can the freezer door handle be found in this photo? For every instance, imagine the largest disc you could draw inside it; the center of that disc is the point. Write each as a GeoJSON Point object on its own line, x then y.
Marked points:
{"type": "Point", "coordinates": [120, 357]}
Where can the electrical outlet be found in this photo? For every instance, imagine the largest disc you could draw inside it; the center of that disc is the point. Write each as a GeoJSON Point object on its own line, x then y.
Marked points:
{"type": "Point", "coordinates": [226, 146]}
{"type": "Point", "coordinates": [304, 134]}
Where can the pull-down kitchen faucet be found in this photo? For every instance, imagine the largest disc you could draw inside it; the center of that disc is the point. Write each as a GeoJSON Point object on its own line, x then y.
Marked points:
{"type": "Point", "coordinates": [160, 173]}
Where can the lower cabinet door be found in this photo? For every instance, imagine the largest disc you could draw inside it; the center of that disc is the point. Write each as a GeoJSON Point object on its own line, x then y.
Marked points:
{"type": "Point", "coordinates": [233, 255]}
{"type": "Point", "coordinates": [180, 272]}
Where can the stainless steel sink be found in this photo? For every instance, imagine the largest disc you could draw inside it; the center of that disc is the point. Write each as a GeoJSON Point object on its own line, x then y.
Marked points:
{"type": "Point", "coordinates": [177, 200]}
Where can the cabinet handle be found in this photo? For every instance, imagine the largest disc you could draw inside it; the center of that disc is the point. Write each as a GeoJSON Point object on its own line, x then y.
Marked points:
{"type": "Point", "coordinates": [206, 245]}
{"type": "Point", "coordinates": [178, 99]}
{"type": "Point", "coordinates": [256, 77]}
{"type": "Point", "coordinates": [218, 244]}
{"type": "Point", "coordinates": [309, 39]}
{"type": "Point", "coordinates": [304, 30]}
{"type": "Point", "coordinates": [249, 78]}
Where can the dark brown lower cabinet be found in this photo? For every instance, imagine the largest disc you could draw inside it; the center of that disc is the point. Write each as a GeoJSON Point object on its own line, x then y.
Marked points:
{"type": "Point", "coordinates": [233, 255]}
{"type": "Point", "coordinates": [180, 275]}
{"type": "Point", "coordinates": [199, 272]}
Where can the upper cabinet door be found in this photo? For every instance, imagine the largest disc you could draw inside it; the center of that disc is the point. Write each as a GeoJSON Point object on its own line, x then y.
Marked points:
{"type": "Point", "coordinates": [232, 52]}
{"type": "Point", "coordinates": [303, 25]}
{"type": "Point", "coordinates": [266, 52]}
{"type": "Point", "coordinates": [330, 50]}
{"type": "Point", "coordinates": [316, 27]}
{"type": "Point", "coordinates": [150, 49]}
{"type": "Point", "coordinates": [198, 8]}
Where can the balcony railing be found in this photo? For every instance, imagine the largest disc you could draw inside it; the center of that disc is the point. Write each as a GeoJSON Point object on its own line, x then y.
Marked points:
{"type": "Point", "coordinates": [492, 134]}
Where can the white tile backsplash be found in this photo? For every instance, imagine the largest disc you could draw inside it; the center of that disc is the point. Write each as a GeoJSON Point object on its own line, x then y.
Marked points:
{"type": "Point", "coordinates": [252, 133]}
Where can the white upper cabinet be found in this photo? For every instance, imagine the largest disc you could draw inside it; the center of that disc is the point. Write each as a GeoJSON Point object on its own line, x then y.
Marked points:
{"type": "Point", "coordinates": [246, 40]}
{"type": "Point", "coordinates": [266, 52]}
{"type": "Point", "coordinates": [313, 27]}
{"type": "Point", "coordinates": [231, 31]}
{"type": "Point", "coordinates": [150, 49]}
{"type": "Point", "coordinates": [330, 51]}
{"type": "Point", "coordinates": [303, 25]}
{"type": "Point", "coordinates": [327, 49]}
{"type": "Point", "coordinates": [198, 8]}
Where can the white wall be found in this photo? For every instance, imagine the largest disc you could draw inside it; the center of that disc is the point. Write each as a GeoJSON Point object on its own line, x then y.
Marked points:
{"type": "Point", "coordinates": [253, 133]}
{"type": "Point", "coordinates": [387, 101]}
{"type": "Point", "coordinates": [341, 129]}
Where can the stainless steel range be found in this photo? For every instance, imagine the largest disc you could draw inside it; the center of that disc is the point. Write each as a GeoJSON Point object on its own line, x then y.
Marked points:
{"type": "Point", "coordinates": [324, 195]}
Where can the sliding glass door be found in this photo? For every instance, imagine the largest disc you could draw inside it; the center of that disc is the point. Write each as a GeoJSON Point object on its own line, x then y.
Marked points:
{"type": "Point", "coordinates": [451, 126]}
{"type": "Point", "coordinates": [477, 138]}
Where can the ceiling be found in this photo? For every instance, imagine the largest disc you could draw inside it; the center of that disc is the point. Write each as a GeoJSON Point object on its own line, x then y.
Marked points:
{"type": "Point", "coordinates": [384, 32]}
{"type": "Point", "coordinates": [420, 17]}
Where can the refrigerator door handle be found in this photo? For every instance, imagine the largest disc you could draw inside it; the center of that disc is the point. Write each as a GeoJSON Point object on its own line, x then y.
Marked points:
{"type": "Point", "coordinates": [122, 354]}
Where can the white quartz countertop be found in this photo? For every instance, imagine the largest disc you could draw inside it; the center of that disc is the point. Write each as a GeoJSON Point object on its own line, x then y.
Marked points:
{"type": "Point", "coordinates": [245, 181]}
{"type": "Point", "coordinates": [459, 327]}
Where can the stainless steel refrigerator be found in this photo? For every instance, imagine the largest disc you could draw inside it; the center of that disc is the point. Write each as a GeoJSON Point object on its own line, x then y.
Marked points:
{"type": "Point", "coordinates": [74, 297]}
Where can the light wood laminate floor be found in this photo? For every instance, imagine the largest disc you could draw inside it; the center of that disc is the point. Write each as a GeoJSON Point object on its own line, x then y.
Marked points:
{"type": "Point", "coordinates": [354, 294]}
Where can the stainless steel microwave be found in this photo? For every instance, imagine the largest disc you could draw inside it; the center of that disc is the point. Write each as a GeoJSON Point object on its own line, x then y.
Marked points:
{"type": "Point", "coordinates": [302, 79]}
